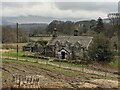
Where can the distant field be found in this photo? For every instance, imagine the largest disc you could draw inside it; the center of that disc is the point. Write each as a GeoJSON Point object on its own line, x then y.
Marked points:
{"type": "Point", "coordinates": [22, 44]}
{"type": "Point", "coordinates": [40, 38]}
{"type": "Point", "coordinates": [11, 45]}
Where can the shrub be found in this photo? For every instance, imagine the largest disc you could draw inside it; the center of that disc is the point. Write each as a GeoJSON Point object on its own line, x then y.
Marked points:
{"type": "Point", "coordinates": [101, 49]}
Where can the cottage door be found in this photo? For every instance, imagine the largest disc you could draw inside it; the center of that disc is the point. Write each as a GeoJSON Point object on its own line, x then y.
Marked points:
{"type": "Point", "coordinates": [63, 55]}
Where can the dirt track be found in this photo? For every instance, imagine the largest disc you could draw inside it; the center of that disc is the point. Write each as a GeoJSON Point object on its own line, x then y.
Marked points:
{"type": "Point", "coordinates": [53, 78]}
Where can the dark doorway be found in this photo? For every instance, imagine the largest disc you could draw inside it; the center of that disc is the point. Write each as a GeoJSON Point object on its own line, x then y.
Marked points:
{"type": "Point", "coordinates": [63, 55]}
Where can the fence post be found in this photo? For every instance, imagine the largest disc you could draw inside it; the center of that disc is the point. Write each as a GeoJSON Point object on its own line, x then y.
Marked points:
{"type": "Point", "coordinates": [8, 55]}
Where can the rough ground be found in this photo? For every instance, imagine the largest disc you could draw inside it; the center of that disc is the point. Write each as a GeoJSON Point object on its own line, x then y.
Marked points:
{"type": "Point", "coordinates": [53, 78]}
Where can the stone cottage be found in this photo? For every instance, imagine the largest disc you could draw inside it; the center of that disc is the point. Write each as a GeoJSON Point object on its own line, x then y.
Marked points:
{"type": "Point", "coordinates": [68, 47]}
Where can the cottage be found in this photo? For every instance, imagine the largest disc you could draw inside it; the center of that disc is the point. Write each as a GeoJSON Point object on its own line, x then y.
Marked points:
{"type": "Point", "coordinates": [68, 47]}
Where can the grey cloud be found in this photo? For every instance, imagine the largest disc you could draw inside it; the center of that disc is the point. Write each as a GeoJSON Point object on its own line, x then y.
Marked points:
{"type": "Point", "coordinates": [63, 10]}
{"type": "Point", "coordinates": [12, 4]}
{"type": "Point", "coordinates": [19, 4]}
{"type": "Point", "coordinates": [94, 6]}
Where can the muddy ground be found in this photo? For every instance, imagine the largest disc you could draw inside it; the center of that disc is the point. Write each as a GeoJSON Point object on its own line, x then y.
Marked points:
{"type": "Point", "coordinates": [53, 78]}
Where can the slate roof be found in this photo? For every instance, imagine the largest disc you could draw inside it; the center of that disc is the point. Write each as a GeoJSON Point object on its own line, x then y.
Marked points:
{"type": "Point", "coordinates": [84, 40]}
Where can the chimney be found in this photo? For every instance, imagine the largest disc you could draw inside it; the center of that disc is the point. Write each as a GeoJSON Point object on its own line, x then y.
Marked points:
{"type": "Point", "coordinates": [75, 32]}
{"type": "Point", "coordinates": [54, 33]}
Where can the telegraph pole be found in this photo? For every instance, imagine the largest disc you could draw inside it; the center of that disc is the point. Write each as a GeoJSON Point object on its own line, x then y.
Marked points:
{"type": "Point", "coordinates": [17, 41]}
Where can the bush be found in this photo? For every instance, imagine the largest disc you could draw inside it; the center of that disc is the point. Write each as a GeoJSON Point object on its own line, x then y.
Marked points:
{"type": "Point", "coordinates": [101, 49]}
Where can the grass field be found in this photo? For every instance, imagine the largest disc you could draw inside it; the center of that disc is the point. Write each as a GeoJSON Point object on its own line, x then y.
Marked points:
{"type": "Point", "coordinates": [40, 38]}
{"type": "Point", "coordinates": [70, 64]}
{"type": "Point", "coordinates": [115, 63]}
{"type": "Point", "coordinates": [12, 45]}
{"type": "Point", "coordinates": [13, 53]}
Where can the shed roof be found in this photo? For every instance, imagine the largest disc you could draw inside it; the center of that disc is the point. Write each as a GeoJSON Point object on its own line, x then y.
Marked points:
{"type": "Point", "coordinates": [30, 45]}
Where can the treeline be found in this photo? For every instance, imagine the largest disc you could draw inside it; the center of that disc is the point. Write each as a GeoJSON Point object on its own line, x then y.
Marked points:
{"type": "Point", "coordinates": [88, 27]}
{"type": "Point", "coordinates": [9, 35]}
{"type": "Point", "coordinates": [38, 31]}
{"type": "Point", "coordinates": [68, 27]}
{"type": "Point", "coordinates": [61, 26]}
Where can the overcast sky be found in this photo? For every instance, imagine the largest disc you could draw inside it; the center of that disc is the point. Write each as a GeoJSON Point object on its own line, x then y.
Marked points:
{"type": "Point", "coordinates": [84, 10]}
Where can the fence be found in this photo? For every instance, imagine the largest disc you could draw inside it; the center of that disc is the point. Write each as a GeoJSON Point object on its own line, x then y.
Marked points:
{"type": "Point", "coordinates": [26, 81]}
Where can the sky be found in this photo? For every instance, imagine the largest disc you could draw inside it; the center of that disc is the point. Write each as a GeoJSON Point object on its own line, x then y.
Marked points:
{"type": "Point", "coordinates": [72, 9]}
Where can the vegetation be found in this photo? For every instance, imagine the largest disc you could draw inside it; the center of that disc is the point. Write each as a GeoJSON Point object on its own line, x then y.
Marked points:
{"type": "Point", "coordinates": [46, 38]}
{"type": "Point", "coordinates": [101, 49]}
{"type": "Point", "coordinates": [100, 26]}
{"type": "Point", "coordinates": [13, 54]}
{"type": "Point", "coordinates": [9, 35]}
{"type": "Point", "coordinates": [115, 62]}
{"type": "Point", "coordinates": [68, 27]}
{"type": "Point", "coordinates": [12, 45]}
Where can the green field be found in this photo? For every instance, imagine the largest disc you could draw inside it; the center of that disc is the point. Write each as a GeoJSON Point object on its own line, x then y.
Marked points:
{"type": "Point", "coordinates": [13, 54]}
{"type": "Point", "coordinates": [40, 38]}
{"type": "Point", "coordinates": [116, 63]}
{"type": "Point", "coordinates": [12, 45]}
